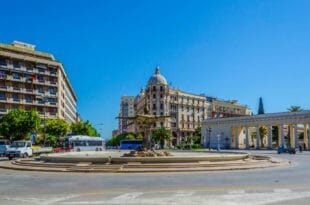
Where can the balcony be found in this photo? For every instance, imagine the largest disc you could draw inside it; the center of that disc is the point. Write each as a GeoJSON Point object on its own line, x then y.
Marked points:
{"type": "Point", "coordinates": [4, 88]}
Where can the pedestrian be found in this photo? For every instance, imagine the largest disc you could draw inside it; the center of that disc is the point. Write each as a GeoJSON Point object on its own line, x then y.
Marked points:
{"type": "Point", "coordinates": [300, 148]}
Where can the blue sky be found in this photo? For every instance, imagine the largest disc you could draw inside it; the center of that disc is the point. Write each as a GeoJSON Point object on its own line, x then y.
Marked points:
{"type": "Point", "coordinates": [230, 49]}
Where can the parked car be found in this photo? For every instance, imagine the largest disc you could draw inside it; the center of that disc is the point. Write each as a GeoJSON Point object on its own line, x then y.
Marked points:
{"type": "Point", "coordinates": [19, 149]}
{"type": "Point", "coordinates": [285, 149]}
{"type": "Point", "coordinates": [4, 145]}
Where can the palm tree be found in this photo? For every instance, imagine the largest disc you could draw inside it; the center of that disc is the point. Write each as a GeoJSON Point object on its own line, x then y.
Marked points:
{"type": "Point", "coordinates": [161, 135]}
{"type": "Point", "coordinates": [294, 108]}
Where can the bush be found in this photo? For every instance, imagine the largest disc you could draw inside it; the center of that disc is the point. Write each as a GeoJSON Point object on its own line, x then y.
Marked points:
{"type": "Point", "coordinates": [196, 146]}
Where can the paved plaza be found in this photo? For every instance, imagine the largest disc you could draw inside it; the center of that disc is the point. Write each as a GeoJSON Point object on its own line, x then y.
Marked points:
{"type": "Point", "coordinates": [281, 185]}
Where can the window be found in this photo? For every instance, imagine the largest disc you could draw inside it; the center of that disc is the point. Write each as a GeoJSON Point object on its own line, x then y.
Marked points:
{"type": "Point", "coordinates": [154, 88]}
{"type": "Point", "coordinates": [2, 61]}
{"type": "Point", "coordinates": [161, 124]}
{"type": "Point", "coordinates": [154, 96]}
{"type": "Point", "coordinates": [16, 75]}
{"type": "Point", "coordinates": [41, 70]}
{"type": "Point", "coordinates": [161, 106]}
{"type": "Point", "coordinates": [154, 106]}
{"type": "Point", "coordinates": [52, 101]}
{"type": "Point", "coordinates": [16, 86]}
{"type": "Point", "coordinates": [28, 98]}
{"type": "Point", "coordinates": [161, 95]}
{"type": "Point", "coordinates": [187, 109]}
{"type": "Point", "coordinates": [29, 66]}
{"type": "Point", "coordinates": [53, 80]}
{"type": "Point", "coordinates": [40, 90]}
{"type": "Point", "coordinates": [2, 96]}
{"type": "Point", "coordinates": [16, 64]}
{"type": "Point", "coordinates": [161, 88]}
{"type": "Point", "coordinates": [188, 118]}
{"type": "Point", "coordinates": [53, 71]}
{"type": "Point", "coordinates": [161, 113]}
{"type": "Point", "coordinates": [2, 85]}
{"type": "Point", "coordinates": [41, 78]}
{"type": "Point", "coordinates": [52, 91]}
{"type": "Point", "coordinates": [16, 98]}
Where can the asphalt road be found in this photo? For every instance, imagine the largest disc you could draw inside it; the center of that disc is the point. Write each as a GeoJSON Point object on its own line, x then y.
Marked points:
{"type": "Point", "coordinates": [284, 185]}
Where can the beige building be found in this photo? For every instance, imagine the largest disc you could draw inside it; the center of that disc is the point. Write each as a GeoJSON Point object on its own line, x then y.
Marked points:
{"type": "Point", "coordinates": [126, 110]}
{"type": "Point", "coordinates": [31, 79]}
{"type": "Point", "coordinates": [186, 111]}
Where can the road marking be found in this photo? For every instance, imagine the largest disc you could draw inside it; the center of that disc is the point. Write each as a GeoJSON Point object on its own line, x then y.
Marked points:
{"type": "Point", "coordinates": [241, 191]}
{"type": "Point", "coordinates": [184, 193]}
{"type": "Point", "coordinates": [34, 200]}
{"type": "Point", "coordinates": [282, 190]}
{"type": "Point", "coordinates": [127, 196]}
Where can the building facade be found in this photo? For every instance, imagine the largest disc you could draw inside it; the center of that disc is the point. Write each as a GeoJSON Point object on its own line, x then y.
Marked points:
{"type": "Point", "coordinates": [186, 111]}
{"type": "Point", "coordinates": [287, 129]}
{"type": "Point", "coordinates": [31, 79]}
{"type": "Point", "coordinates": [126, 110]}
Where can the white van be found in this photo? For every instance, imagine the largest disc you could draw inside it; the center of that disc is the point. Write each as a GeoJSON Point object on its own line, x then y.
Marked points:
{"type": "Point", "coordinates": [19, 149]}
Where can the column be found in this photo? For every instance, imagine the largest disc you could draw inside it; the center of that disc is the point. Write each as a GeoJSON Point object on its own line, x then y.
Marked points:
{"type": "Point", "coordinates": [246, 138]}
{"type": "Point", "coordinates": [306, 136]}
{"type": "Point", "coordinates": [296, 137]}
{"type": "Point", "coordinates": [237, 138]}
{"type": "Point", "coordinates": [291, 137]}
{"type": "Point", "coordinates": [269, 137]}
{"type": "Point", "coordinates": [257, 138]}
{"type": "Point", "coordinates": [281, 137]}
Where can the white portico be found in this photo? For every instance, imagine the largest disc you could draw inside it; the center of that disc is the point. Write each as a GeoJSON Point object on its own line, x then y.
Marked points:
{"type": "Point", "coordinates": [258, 131]}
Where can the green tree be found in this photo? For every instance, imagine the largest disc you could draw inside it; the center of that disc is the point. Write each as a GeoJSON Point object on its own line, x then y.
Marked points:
{"type": "Point", "coordinates": [161, 135]}
{"type": "Point", "coordinates": [139, 136]}
{"type": "Point", "coordinates": [57, 127]}
{"type": "Point", "coordinates": [18, 123]}
{"type": "Point", "coordinates": [84, 128]}
{"type": "Point", "coordinates": [115, 140]}
{"type": "Point", "coordinates": [262, 134]}
{"type": "Point", "coordinates": [294, 108]}
{"type": "Point", "coordinates": [197, 136]}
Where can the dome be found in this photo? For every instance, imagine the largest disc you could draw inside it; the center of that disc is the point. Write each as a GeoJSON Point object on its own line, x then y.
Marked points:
{"type": "Point", "coordinates": [157, 78]}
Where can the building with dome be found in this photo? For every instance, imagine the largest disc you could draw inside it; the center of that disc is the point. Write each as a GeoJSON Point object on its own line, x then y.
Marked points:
{"type": "Point", "coordinates": [186, 111]}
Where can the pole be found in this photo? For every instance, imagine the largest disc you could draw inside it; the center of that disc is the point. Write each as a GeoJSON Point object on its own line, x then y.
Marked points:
{"type": "Point", "coordinates": [218, 130]}
{"type": "Point", "coordinates": [209, 139]}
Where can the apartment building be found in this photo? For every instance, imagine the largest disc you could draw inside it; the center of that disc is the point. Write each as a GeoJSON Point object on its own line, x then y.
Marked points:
{"type": "Point", "coordinates": [126, 110]}
{"type": "Point", "coordinates": [32, 79]}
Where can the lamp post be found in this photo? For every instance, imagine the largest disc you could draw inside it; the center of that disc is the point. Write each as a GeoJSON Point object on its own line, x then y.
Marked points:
{"type": "Point", "coordinates": [210, 130]}
{"type": "Point", "coordinates": [99, 129]}
{"type": "Point", "coordinates": [218, 129]}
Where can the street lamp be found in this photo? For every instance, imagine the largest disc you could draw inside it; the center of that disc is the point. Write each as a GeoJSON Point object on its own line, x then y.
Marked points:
{"type": "Point", "coordinates": [99, 129]}
{"type": "Point", "coordinates": [210, 130]}
{"type": "Point", "coordinates": [218, 129]}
